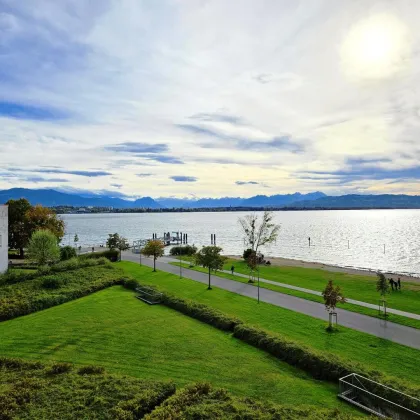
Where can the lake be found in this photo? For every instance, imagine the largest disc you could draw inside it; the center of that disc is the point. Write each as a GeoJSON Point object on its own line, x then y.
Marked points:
{"type": "Point", "coordinates": [369, 239]}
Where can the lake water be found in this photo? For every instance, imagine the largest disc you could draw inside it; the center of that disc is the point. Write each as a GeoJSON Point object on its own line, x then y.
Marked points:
{"type": "Point", "coordinates": [369, 239]}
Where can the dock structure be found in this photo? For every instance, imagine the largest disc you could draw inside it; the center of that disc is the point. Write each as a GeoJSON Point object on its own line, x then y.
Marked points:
{"type": "Point", "coordinates": [168, 238]}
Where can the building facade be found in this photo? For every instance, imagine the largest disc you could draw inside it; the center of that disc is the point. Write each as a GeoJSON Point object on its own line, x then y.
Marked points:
{"type": "Point", "coordinates": [4, 238]}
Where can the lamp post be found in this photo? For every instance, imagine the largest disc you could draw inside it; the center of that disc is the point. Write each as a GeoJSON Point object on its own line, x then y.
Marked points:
{"type": "Point", "coordinates": [140, 252]}
{"type": "Point", "coordinates": [180, 267]}
{"type": "Point", "coordinates": [258, 271]}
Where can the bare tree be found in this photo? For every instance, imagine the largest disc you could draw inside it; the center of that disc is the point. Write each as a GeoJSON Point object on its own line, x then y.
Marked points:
{"type": "Point", "coordinates": [382, 287]}
{"type": "Point", "coordinates": [258, 233]}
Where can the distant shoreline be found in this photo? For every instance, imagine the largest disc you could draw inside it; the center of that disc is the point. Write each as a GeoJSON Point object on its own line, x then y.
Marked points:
{"type": "Point", "coordinates": [228, 210]}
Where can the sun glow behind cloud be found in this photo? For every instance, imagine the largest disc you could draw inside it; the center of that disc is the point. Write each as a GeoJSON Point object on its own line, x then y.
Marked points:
{"type": "Point", "coordinates": [376, 48]}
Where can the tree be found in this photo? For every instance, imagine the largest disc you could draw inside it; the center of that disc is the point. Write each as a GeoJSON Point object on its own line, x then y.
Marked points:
{"type": "Point", "coordinates": [155, 249]}
{"type": "Point", "coordinates": [116, 241]}
{"type": "Point", "coordinates": [209, 257]}
{"type": "Point", "coordinates": [382, 287]}
{"type": "Point", "coordinates": [332, 295]}
{"type": "Point", "coordinates": [67, 252]}
{"type": "Point", "coordinates": [18, 229]}
{"type": "Point", "coordinates": [43, 247]}
{"type": "Point", "coordinates": [258, 233]}
{"type": "Point", "coordinates": [75, 240]}
{"type": "Point", "coordinates": [41, 218]}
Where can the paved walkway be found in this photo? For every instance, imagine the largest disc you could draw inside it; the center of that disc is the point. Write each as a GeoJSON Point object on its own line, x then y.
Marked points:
{"type": "Point", "coordinates": [374, 326]}
{"type": "Point", "coordinates": [314, 292]}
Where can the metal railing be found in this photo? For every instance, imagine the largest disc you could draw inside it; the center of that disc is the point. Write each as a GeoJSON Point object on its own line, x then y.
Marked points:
{"type": "Point", "coordinates": [149, 295]}
{"type": "Point", "coordinates": [378, 399]}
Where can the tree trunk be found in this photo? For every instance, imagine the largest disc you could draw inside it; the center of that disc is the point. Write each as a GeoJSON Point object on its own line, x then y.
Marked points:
{"type": "Point", "coordinates": [154, 263]}
{"type": "Point", "coordinates": [208, 288]}
{"type": "Point", "coordinates": [22, 253]}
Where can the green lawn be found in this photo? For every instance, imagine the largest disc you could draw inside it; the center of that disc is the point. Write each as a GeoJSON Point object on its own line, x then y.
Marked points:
{"type": "Point", "coordinates": [375, 353]}
{"type": "Point", "coordinates": [356, 287]}
{"type": "Point", "coordinates": [113, 329]}
{"type": "Point", "coordinates": [409, 322]}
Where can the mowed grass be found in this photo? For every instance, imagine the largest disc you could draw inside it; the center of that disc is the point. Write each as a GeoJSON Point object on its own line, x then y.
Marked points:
{"type": "Point", "coordinates": [113, 329]}
{"type": "Point", "coordinates": [399, 319]}
{"type": "Point", "coordinates": [373, 352]}
{"type": "Point", "coordinates": [356, 287]}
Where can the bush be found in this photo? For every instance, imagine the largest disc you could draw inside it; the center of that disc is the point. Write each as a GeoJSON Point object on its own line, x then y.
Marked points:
{"type": "Point", "coordinates": [131, 284]}
{"type": "Point", "coordinates": [67, 252]}
{"type": "Point", "coordinates": [183, 250]}
{"type": "Point", "coordinates": [91, 370]}
{"type": "Point", "coordinates": [58, 368]}
{"type": "Point", "coordinates": [51, 283]}
{"type": "Point", "coordinates": [247, 253]}
{"type": "Point", "coordinates": [112, 255]}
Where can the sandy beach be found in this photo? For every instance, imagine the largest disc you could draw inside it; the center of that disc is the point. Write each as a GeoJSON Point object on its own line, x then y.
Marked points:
{"type": "Point", "coordinates": [278, 261]}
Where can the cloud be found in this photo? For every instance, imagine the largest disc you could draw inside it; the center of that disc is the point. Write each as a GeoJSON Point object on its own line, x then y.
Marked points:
{"type": "Point", "coordinates": [144, 175]}
{"type": "Point", "coordinates": [30, 112]}
{"type": "Point", "coordinates": [181, 178]}
{"type": "Point", "coordinates": [89, 174]}
{"type": "Point", "coordinates": [138, 149]}
{"type": "Point", "coordinates": [216, 117]}
{"type": "Point", "coordinates": [165, 159]}
{"type": "Point", "coordinates": [116, 185]}
{"type": "Point", "coordinates": [246, 182]}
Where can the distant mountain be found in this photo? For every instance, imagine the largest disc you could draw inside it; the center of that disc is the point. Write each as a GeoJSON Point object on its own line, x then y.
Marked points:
{"type": "Point", "coordinates": [256, 201]}
{"type": "Point", "coordinates": [362, 201]}
{"type": "Point", "coordinates": [280, 200]}
{"type": "Point", "coordinates": [51, 198]}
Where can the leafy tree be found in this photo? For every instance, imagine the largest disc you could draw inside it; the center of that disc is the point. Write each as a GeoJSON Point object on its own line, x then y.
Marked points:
{"type": "Point", "coordinates": [209, 257]}
{"type": "Point", "coordinates": [41, 218]}
{"type": "Point", "coordinates": [247, 254]}
{"type": "Point", "coordinates": [43, 247]}
{"type": "Point", "coordinates": [382, 287]}
{"type": "Point", "coordinates": [332, 295]}
{"type": "Point", "coordinates": [18, 230]}
{"type": "Point", "coordinates": [155, 249]}
{"type": "Point", "coordinates": [116, 241]}
{"type": "Point", "coordinates": [258, 233]}
{"type": "Point", "coordinates": [76, 239]}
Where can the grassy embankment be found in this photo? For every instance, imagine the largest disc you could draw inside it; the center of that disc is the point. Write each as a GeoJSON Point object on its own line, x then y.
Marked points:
{"type": "Point", "coordinates": [370, 351]}
{"type": "Point", "coordinates": [355, 287]}
{"type": "Point", "coordinates": [113, 329]}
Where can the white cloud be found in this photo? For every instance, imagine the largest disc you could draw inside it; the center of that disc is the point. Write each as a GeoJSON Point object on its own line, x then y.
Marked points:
{"type": "Point", "coordinates": [130, 71]}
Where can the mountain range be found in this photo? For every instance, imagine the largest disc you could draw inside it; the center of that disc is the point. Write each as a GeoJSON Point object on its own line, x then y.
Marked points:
{"type": "Point", "coordinates": [51, 198]}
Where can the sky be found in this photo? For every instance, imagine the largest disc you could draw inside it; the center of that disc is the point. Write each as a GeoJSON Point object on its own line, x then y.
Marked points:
{"type": "Point", "coordinates": [209, 98]}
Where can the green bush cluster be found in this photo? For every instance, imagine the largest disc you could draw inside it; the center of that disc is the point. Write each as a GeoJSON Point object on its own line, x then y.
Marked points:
{"type": "Point", "coordinates": [91, 370]}
{"type": "Point", "coordinates": [35, 390]}
{"type": "Point", "coordinates": [67, 252]}
{"type": "Point", "coordinates": [44, 292]}
{"type": "Point", "coordinates": [183, 250]}
{"type": "Point", "coordinates": [112, 255]}
{"type": "Point", "coordinates": [130, 284]}
{"type": "Point", "coordinates": [325, 366]}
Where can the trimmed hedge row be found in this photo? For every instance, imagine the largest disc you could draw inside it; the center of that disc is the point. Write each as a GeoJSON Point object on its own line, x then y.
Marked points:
{"type": "Point", "coordinates": [324, 366]}
{"type": "Point", "coordinates": [46, 292]}
{"type": "Point", "coordinates": [13, 277]}
{"type": "Point", "coordinates": [112, 255]}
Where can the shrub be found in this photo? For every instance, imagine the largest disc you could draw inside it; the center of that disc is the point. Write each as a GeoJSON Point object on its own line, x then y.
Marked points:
{"type": "Point", "coordinates": [131, 284]}
{"type": "Point", "coordinates": [183, 250]}
{"type": "Point", "coordinates": [110, 254]}
{"type": "Point", "coordinates": [51, 283]}
{"type": "Point", "coordinates": [58, 368]}
{"type": "Point", "coordinates": [247, 253]}
{"type": "Point", "coordinates": [67, 252]}
{"type": "Point", "coordinates": [43, 247]}
{"type": "Point", "coordinates": [91, 370]}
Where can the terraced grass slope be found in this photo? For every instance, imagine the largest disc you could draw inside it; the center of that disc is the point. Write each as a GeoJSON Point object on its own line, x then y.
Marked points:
{"type": "Point", "coordinates": [113, 329]}
{"type": "Point", "coordinates": [373, 352]}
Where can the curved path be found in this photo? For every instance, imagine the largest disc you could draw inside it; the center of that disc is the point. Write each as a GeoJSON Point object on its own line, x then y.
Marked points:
{"type": "Point", "coordinates": [380, 328]}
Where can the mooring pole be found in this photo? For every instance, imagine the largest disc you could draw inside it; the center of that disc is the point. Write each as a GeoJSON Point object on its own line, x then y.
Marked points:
{"type": "Point", "coordinates": [214, 236]}
{"type": "Point", "coordinates": [309, 239]}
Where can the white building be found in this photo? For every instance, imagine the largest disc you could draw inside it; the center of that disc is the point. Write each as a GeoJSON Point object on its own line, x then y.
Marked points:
{"type": "Point", "coordinates": [4, 237]}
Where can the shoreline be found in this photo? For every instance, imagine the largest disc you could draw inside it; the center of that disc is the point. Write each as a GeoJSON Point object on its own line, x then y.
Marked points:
{"type": "Point", "coordinates": [289, 262]}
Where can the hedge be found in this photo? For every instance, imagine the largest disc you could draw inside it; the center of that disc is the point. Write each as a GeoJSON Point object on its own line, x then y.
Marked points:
{"type": "Point", "coordinates": [13, 277]}
{"type": "Point", "coordinates": [112, 255]}
{"type": "Point", "coordinates": [323, 366]}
